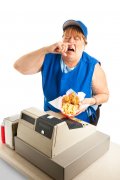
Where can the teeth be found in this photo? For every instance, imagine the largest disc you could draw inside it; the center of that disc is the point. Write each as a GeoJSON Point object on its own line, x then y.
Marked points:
{"type": "Point", "coordinates": [70, 49]}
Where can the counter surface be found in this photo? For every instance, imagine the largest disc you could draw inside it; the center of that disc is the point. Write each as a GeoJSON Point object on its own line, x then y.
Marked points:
{"type": "Point", "coordinates": [106, 167]}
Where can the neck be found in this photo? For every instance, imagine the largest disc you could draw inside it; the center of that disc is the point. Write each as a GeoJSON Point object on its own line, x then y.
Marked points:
{"type": "Point", "coordinates": [70, 62]}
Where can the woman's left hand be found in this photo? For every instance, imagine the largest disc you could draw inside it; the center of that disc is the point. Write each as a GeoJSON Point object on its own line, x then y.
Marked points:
{"type": "Point", "coordinates": [85, 103]}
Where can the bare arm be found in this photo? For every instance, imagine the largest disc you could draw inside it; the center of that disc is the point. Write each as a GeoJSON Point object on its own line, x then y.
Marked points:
{"type": "Point", "coordinates": [99, 86]}
{"type": "Point", "coordinates": [31, 63]}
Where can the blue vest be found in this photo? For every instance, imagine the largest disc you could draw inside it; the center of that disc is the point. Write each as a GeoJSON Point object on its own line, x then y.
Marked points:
{"type": "Point", "coordinates": [55, 83]}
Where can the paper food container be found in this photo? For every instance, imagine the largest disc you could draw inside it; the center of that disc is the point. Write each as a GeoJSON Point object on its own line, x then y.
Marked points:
{"type": "Point", "coordinates": [70, 103]}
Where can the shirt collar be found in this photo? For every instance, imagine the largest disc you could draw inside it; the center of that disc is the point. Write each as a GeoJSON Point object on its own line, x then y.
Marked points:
{"type": "Point", "coordinates": [64, 67]}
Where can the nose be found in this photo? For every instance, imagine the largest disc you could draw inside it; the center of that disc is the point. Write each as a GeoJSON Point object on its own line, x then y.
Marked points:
{"type": "Point", "coordinates": [71, 39]}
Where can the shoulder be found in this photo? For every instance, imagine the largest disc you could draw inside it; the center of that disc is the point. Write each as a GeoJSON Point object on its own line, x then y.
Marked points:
{"type": "Point", "coordinates": [52, 56]}
{"type": "Point", "coordinates": [50, 59]}
{"type": "Point", "coordinates": [89, 59]}
{"type": "Point", "coordinates": [98, 72]}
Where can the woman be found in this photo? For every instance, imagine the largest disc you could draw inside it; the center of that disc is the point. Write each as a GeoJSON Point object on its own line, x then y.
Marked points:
{"type": "Point", "coordinates": [65, 65]}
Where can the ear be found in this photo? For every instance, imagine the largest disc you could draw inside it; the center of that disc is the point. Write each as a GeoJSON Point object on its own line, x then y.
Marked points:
{"type": "Point", "coordinates": [83, 46]}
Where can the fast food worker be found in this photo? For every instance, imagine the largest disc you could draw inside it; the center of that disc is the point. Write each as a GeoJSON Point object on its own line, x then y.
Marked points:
{"type": "Point", "coordinates": [65, 65]}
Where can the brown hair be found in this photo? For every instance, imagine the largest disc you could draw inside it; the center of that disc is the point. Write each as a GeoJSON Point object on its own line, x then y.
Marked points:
{"type": "Point", "coordinates": [76, 30]}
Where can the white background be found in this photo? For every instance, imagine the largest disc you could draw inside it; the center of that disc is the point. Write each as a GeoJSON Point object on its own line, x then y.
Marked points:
{"type": "Point", "coordinates": [28, 25]}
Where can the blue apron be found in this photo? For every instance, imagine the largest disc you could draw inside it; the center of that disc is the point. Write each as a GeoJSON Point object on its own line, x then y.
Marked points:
{"type": "Point", "coordinates": [55, 83]}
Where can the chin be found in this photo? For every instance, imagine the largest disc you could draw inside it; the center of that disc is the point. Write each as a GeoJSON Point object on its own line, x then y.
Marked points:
{"type": "Point", "coordinates": [70, 57]}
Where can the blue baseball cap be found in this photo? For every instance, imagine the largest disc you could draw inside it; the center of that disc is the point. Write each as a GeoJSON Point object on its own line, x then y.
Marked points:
{"type": "Point", "coordinates": [79, 24]}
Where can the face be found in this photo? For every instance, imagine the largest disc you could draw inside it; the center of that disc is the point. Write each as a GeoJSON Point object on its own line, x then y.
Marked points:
{"type": "Point", "coordinates": [75, 42]}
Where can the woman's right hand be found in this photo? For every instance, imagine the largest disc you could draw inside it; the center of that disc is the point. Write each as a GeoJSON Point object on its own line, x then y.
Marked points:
{"type": "Point", "coordinates": [58, 48]}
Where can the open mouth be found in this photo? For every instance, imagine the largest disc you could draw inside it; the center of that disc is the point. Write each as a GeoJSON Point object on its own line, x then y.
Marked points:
{"type": "Point", "coordinates": [71, 49]}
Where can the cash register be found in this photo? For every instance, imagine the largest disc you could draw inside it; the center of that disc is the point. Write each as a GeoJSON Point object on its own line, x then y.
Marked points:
{"type": "Point", "coordinates": [59, 146]}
